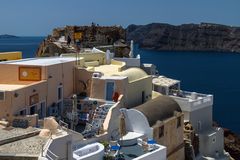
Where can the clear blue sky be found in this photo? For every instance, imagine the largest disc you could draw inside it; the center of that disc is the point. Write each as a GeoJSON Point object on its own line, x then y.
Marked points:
{"type": "Point", "coordinates": [39, 17]}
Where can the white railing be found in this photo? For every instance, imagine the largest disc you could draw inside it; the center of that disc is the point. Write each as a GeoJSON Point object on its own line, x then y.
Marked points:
{"type": "Point", "coordinates": [51, 156]}
{"type": "Point", "coordinates": [192, 100]}
{"type": "Point", "coordinates": [63, 125]}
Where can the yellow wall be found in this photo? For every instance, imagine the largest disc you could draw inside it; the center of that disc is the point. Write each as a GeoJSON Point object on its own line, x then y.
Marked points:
{"type": "Point", "coordinates": [59, 74]}
{"type": "Point", "coordinates": [173, 137]}
{"type": "Point", "coordinates": [6, 105]}
{"type": "Point", "coordinates": [98, 87]}
{"type": "Point", "coordinates": [55, 75]}
{"type": "Point", "coordinates": [19, 99]}
{"type": "Point", "coordinates": [10, 74]}
{"type": "Point", "coordinates": [5, 56]}
{"type": "Point", "coordinates": [100, 57]}
{"type": "Point", "coordinates": [122, 65]}
{"type": "Point", "coordinates": [68, 79]}
{"type": "Point", "coordinates": [134, 91]}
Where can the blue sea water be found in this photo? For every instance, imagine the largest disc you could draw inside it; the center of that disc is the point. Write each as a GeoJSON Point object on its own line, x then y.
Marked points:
{"type": "Point", "coordinates": [28, 45]}
{"type": "Point", "coordinates": [204, 72]}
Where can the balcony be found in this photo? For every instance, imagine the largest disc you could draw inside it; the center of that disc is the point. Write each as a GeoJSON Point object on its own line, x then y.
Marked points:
{"type": "Point", "coordinates": [190, 101]}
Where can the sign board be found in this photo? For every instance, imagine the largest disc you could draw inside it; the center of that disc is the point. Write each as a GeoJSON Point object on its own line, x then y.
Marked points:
{"type": "Point", "coordinates": [29, 73]}
{"type": "Point", "coordinates": [78, 35]}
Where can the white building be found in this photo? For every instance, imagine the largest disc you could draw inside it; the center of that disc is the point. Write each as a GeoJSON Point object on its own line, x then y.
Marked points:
{"type": "Point", "coordinates": [197, 109]}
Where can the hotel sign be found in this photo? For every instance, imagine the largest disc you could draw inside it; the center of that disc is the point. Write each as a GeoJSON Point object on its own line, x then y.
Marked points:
{"type": "Point", "coordinates": [29, 73]}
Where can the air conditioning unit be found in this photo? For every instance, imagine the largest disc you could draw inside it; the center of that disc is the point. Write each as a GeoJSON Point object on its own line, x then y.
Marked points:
{"type": "Point", "coordinates": [96, 75]}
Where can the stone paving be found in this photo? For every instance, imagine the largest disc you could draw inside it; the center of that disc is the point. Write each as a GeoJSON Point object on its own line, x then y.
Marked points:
{"type": "Point", "coordinates": [14, 132]}
{"type": "Point", "coordinates": [28, 146]}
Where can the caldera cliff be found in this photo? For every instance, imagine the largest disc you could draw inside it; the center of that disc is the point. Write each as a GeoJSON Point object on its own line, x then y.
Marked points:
{"type": "Point", "coordinates": [186, 37]}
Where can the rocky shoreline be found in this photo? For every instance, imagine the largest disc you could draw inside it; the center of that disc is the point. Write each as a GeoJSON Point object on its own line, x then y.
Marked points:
{"type": "Point", "coordinates": [186, 37]}
{"type": "Point", "coordinates": [232, 143]}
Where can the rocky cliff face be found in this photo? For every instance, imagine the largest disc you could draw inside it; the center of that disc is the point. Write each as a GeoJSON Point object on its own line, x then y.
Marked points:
{"type": "Point", "coordinates": [186, 37]}
{"type": "Point", "coordinates": [232, 143]}
{"type": "Point", "coordinates": [111, 37]}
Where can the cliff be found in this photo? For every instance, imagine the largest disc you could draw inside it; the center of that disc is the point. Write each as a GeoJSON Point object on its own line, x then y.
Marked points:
{"type": "Point", "coordinates": [232, 143]}
{"type": "Point", "coordinates": [70, 38]}
{"type": "Point", "coordinates": [186, 37]}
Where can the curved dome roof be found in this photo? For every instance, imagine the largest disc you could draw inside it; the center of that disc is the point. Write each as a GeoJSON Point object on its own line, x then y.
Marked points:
{"type": "Point", "coordinates": [133, 74]}
{"type": "Point", "coordinates": [159, 108]}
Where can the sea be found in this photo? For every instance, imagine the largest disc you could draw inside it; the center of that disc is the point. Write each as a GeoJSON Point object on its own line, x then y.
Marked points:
{"type": "Point", "coordinates": [204, 72]}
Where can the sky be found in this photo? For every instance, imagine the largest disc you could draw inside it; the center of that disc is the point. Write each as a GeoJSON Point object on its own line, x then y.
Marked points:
{"type": "Point", "coordinates": [39, 17]}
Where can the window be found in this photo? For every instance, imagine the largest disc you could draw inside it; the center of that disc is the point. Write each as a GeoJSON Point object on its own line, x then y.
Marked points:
{"type": "Point", "coordinates": [23, 112]}
{"type": "Point", "coordinates": [33, 109]}
{"type": "Point", "coordinates": [42, 110]}
{"type": "Point", "coordinates": [109, 90]}
{"type": "Point", "coordinates": [161, 132]}
{"type": "Point", "coordinates": [179, 122]}
{"type": "Point", "coordinates": [2, 95]}
{"type": "Point", "coordinates": [60, 93]}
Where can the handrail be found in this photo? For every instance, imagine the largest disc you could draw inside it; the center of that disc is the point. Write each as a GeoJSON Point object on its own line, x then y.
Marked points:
{"type": "Point", "coordinates": [55, 156]}
{"type": "Point", "coordinates": [46, 144]}
{"type": "Point", "coordinates": [63, 125]}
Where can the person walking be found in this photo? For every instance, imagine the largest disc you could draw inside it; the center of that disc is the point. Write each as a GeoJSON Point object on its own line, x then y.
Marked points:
{"type": "Point", "coordinates": [68, 40]}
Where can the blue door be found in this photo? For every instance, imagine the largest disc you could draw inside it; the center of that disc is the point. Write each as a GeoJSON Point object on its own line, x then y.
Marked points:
{"type": "Point", "coordinates": [109, 90]}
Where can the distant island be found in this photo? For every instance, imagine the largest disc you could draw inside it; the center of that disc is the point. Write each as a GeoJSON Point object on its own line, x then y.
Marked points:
{"type": "Point", "coordinates": [186, 37]}
{"type": "Point", "coordinates": [7, 36]}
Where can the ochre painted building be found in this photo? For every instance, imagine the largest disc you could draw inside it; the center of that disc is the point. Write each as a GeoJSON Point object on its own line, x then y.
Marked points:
{"type": "Point", "coordinates": [6, 56]}
{"type": "Point", "coordinates": [36, 85]}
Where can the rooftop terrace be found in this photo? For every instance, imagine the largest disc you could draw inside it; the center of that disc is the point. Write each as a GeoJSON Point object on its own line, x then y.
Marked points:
{"type": "Point", "coordinates": [190, 101]}
{"type": "Point", "coordinates": [40, 61]}
{"type": "Point", "coordinates": [164, 81]}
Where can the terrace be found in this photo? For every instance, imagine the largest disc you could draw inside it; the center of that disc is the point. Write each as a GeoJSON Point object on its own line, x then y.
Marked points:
{"type": "Point", "coordinates": [190, 101]}
{"type": "Point", "coordinates": [142, 150]}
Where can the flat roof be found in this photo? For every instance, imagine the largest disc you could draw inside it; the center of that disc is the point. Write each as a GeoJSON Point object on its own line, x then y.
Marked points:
{"type": "Point", "coordinates": [14, 132]}
{"type": "Point", "coordinates": [164, 81]}
{"type": "Point", "coordinates": [27, 146]}
{"type": "Point", "coordinates": [18, 85]}
{"type": "Point", "coordinates": [46, 61]}
{"type": "Point", "coordinates": [107, 69]}
{"type": "Point", "coordinates": [11, 87]}
{"type": "Point", "coordinates": [13, 52]}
